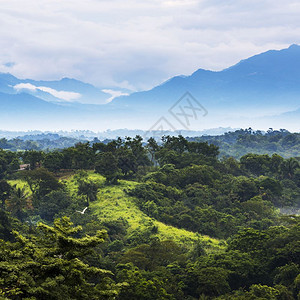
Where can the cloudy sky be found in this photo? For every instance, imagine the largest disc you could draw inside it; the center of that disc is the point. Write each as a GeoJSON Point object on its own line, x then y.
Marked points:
{"type": "Point", "coordinates": [137, 44]}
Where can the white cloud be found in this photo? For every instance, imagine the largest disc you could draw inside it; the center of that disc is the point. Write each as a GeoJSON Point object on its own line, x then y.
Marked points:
{"type": "Point", "coordinates": [62, 95]}
{"type": "Point", "coordinates": [113, 94]}
{"type": "Point", "coordinates": [140, 43]}
{"type": "Point", "coordinates": [25, 86]}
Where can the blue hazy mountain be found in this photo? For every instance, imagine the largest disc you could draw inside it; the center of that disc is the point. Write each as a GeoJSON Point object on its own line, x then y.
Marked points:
{"type": "Point", "coordinates": [81, 92]}
{"type": "Point", "coordinates": [263, 79]}
{"type": "Point", "coordinates": [262, 85]}
{"type": "Point", "coordinates": [88, 93]}
{"type": "Point", "coordinates": [261, 91]}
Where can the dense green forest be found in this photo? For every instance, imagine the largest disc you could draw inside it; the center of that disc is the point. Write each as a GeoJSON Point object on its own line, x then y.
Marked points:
{"type": "Point", "coordinates": [181, 218]}
{"type": "Point", "coordinates": [231, 144]}
{"type": "Point", "coordinates": [244, 141]}
{"type": "Point", "coordinates": [39, 142]}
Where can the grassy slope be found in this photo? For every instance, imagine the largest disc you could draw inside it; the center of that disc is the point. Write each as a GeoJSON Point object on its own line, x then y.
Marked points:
{"type": "Point", "coordinates": [114, 203]}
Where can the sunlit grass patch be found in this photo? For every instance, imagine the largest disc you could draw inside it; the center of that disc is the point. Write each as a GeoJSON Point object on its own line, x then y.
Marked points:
{"type": "Point", "coordinates": [114, 203]}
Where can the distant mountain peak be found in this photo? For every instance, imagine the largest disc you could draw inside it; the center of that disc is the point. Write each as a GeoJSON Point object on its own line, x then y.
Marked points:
{"type": "Point", "coordinates": [266, 84]}
{"type": "Point", "coordinates": [294, 46]}
{"type": "Point", "coordinates": [65, 89]}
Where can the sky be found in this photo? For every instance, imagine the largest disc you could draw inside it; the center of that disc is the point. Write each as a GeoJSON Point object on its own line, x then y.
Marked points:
{"type": "Point", "coordinates": [136, 44]}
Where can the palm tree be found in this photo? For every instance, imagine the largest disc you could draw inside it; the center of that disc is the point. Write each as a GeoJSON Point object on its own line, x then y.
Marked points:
{"type": "Point", "coordinates": [18, 202]}
{"type": "Point", "coordinates": [288, 167]}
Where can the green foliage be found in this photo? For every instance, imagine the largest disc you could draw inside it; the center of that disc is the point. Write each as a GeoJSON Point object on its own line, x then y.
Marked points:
{"type": "Point", "coordinates": [107, 165]}
{"type": "Point", "coordinates": [156, 248]}
{"type": "Point", "coordinates": [241, 142]}
{"type": "Point", "coordinates": [41, 182]}
{"type": "Point", "coordinates": [5, 190]}
{"type": "Point", "coordinates": [212, 281]}
{"type": "Point", "coordinates": [89, 189]}
{"type": "Point", "coordinates": [7, 225]}
{"type": "Point", "coordinates": [53, 161]}
{"type": "Point", "coordinates": [9, 162]}
{"type": "Point", "coordinates": [138, 287]}
{"type": "Point", "coordinates": [50, 266]}
{"type": "Point", "coordinates": [153, 255]}
{"type": "Point", "coordinates": [53, 203]}
{"type": "Point", "coordinates": [18, 202]}
{"type": "Point", "coordinates": [33, 158]}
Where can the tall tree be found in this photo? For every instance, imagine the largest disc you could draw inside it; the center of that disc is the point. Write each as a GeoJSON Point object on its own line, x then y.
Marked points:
{"type": "Point", "coordinates": [50, 266]}
{"type": "Point", "coordinates": [18, 202]}
{"type": "Point", "coordinates": [5, 190]}
{"type": "Point", "coordinates": [89, 189]}
{"type": "Point", "coordinates": [107, 165]}
{"type": "Point", "coordinates": [41, 182]}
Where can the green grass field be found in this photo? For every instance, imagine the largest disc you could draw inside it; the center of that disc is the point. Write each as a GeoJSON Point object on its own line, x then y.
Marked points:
{"type": "Point", "coordinates": [114, 203]}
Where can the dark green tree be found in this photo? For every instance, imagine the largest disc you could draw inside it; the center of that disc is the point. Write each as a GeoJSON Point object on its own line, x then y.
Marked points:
{"type": "Point", "coordinates": [41, 182]}
{"type": "Point", "coordinates": [33, 157]}
{"type": "Point", "coordinates": [53, 161]}
{"type": "Point", "coordinates": [19, 202]}
{"type": "Point", "coordinates": [5, 190]}
{"type": "Point", "coordinates": [89, 189]}
{"type": "Point", "coordinates": [51, 265]}
{"type": "Point", "coordinates": [107, 165]}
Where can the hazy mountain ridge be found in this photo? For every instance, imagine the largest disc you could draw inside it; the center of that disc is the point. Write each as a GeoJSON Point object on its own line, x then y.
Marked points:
{"type": "Point", "coordinates": [261, 91]}
{"type": "Point", "coordinates": [268, 73]}
{"type": "Point", "coordinates": [90, 135]}
{"type": "Point", "coordinates": [87, 93]}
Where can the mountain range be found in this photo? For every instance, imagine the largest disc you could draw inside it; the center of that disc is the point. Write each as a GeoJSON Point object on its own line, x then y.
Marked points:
{"type": "Point", "coordinates": [261, 91]}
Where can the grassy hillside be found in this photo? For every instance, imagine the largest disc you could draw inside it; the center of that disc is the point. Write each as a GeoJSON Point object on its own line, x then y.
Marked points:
{"type": "Point", "coordinates": [114, 203]}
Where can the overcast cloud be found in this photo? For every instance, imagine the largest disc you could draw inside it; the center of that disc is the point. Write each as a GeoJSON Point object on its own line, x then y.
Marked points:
{"type": "Point", "coordinates": [137, 44]}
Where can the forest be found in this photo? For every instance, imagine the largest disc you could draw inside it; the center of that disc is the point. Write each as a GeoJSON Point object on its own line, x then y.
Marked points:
{"type": "Point", "coordinates": [244, 141]}
{"type": "Point", "coordinates": [127, 219]}
{"type": "Point", "coordinates": [231, 144]}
